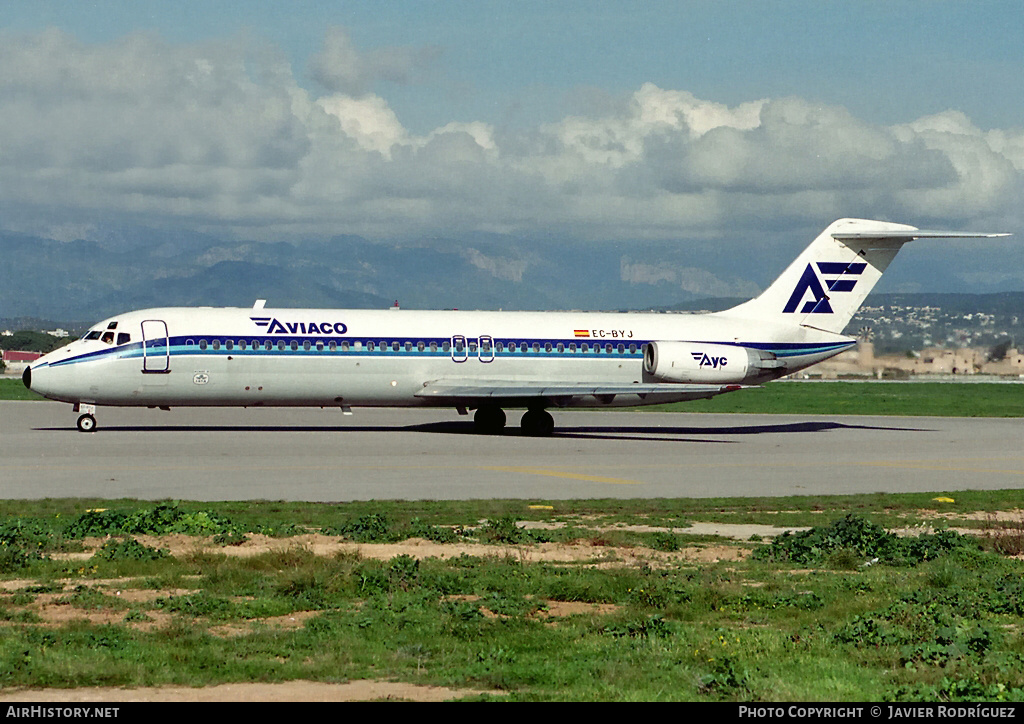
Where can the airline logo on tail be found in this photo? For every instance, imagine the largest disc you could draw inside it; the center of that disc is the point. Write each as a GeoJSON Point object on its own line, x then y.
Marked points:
{"type": "Point", "coordinates": [836, 277]}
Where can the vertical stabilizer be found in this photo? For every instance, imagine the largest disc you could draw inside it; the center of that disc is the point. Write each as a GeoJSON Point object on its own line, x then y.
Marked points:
{"type": "Point", "coordinates": [829, 281]}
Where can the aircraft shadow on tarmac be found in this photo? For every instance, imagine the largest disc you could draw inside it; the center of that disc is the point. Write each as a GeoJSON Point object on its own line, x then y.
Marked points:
{"type": "Point", "coordinates": [653, 433]}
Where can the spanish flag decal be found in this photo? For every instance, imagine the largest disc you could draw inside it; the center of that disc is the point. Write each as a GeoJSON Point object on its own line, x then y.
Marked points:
{"type": "Point", "coordinates": [582, 332]}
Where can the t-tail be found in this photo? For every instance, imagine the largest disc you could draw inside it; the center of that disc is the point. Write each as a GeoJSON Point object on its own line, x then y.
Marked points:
{"type": "Point", "coordinates": [829, 281]}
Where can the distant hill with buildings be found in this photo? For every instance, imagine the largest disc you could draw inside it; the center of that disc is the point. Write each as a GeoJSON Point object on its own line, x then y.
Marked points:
{"type": "Point", "coordinates": [897, 323]}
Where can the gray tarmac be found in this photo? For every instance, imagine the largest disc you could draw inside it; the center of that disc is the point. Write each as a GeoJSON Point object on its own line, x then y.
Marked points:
{"type": "Point", "coordinates": [321, 455]}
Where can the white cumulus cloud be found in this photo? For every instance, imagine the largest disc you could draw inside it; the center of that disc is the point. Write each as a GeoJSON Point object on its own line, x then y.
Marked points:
{"type": "Point", "coordinates": [224, 134]}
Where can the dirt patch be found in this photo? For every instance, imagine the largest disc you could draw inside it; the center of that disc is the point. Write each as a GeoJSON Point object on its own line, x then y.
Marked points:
{"type": "Point", "coordinates": [297, 691]}
{"type": "Point", "coordinates": [995, 516]}
{"type": "Point", "coordinates": [734, 531]}
{"type": "Point", "coordinates": [564, 609]}
{"type": "Point", "coordinates": [290, 621]}
{"type": "Point", "coordinates": [551, 610]}
{"type": "Point", "coordinates": [419, 548]}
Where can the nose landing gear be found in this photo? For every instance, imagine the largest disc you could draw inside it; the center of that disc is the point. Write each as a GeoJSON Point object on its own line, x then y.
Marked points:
{"type": "Point", "coordinates": [87, 420]}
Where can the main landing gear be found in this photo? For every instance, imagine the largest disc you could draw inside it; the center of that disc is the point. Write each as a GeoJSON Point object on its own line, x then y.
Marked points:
{"type": "Point", "coordinates": [536, 422]}
{"type": "Point", "coordinates": [489, 419]}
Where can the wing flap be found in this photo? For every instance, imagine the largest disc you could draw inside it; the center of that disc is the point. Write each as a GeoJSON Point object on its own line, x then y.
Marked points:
{"type": "Point", "coordinates": [468, 392]}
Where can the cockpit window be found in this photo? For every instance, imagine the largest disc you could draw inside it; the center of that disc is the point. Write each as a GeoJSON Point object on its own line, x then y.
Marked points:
{"type": "Point", "coordinates": [123, 338]}
{"type": "Point", "coordinates": [107, 337]}
{"type": "Point", "coordinates": [93, 334]}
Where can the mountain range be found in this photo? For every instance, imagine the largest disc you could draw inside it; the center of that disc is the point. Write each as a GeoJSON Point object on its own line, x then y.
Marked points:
{"type": "Point", "coordinates": [82, 280]}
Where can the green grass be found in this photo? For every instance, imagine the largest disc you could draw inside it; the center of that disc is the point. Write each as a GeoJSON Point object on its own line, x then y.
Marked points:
{"type": "Point", "coordinates": [941, 399]}
{"type": "Point", "coordinates": [802, 620]}
{"type": "Point", "coordinates": [11, 388]}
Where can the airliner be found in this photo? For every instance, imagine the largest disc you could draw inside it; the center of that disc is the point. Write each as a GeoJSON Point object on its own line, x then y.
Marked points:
{"type": "Point", "coordinates": [476, 360]}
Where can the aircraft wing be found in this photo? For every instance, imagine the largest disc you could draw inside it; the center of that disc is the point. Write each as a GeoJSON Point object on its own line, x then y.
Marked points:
{"type": "Point", "coordinates": [559, 394]}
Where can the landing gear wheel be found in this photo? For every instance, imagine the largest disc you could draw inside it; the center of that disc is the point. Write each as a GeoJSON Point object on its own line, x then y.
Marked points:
{"type": "Point", "coordinates": [489, 419]}
{"type": "Point", "coordinates": [86, 423]}
{"type": "Point", "coordinates": [537, 423]}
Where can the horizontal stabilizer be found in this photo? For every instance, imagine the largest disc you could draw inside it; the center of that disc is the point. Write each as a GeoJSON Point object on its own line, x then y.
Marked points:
{"type": "Point", "coordinates": [904, 235]}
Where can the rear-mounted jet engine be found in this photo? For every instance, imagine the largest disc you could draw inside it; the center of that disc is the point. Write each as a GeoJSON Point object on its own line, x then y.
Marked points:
{"type": "Point", "coordinates": [709, 363]}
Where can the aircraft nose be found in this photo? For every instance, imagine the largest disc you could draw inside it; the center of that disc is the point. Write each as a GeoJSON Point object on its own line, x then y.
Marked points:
{"type": "Point", "coordinates": [26, 377]}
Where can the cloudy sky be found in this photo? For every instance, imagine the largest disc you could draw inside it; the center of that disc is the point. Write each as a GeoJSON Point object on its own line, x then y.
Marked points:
{"type": "Point", "coordinates": [602, 120]}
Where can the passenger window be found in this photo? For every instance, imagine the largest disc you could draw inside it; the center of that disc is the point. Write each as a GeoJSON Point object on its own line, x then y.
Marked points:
{"type": "Point", "coordinates": [344, 346]}
{"type": "Point", "coordinates": [433, 346]}
{"type": "Point", "coordinates": [306, 345]}
{"type": "Point", "coordinates": [216, 344]}
{"type": "Point", "coordinates": [547, 346]}
{"type": "Point", "coordinates": [280, 345]}
{"type": "Point", "coordinates": [229, 344]}
{"type": "Point", "coordinates": [420, 346]}
{"type": "Point", "coordinates": [241, 344]}
{"type": "Point", "coordinates": [294, 345]}
{"type": "Point", "coordinates": [394, 346]}
{"type": "Point", "coordinates": [560, 347]}
{"type": "Point", "coordinates": [202, 344]}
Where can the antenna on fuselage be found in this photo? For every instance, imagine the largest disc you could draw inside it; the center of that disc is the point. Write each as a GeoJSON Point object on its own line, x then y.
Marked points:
{"type": "Point", "coordinates": [259, 304]}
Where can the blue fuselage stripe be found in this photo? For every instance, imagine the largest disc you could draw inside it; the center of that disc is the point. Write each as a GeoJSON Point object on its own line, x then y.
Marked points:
{"type": "Point", "coordinates": [385, 346]}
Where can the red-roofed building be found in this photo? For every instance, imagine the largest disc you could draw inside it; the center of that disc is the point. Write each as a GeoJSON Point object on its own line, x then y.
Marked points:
{"type": "Point", "coordinates": [16, 361]}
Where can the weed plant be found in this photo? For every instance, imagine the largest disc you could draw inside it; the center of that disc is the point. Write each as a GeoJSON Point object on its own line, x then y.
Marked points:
{"type": "Point", "coordinates": [853, 537]}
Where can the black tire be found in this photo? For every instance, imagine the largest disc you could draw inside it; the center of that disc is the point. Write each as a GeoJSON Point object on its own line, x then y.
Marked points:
{"type": "Point", "coordinates": [489, 419]}
{"type": "Point", "coordinates": [537, 423]}
{"type": "Point", "coordinates": [86, 423]}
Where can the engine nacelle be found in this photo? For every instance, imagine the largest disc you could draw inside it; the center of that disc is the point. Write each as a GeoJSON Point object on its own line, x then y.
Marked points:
{"type": "Point", "coordinates": [708, 363]}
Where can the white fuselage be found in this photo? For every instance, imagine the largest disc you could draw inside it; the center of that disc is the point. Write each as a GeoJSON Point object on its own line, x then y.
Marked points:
{"type": "Point", "coordinates": [315, 357]}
